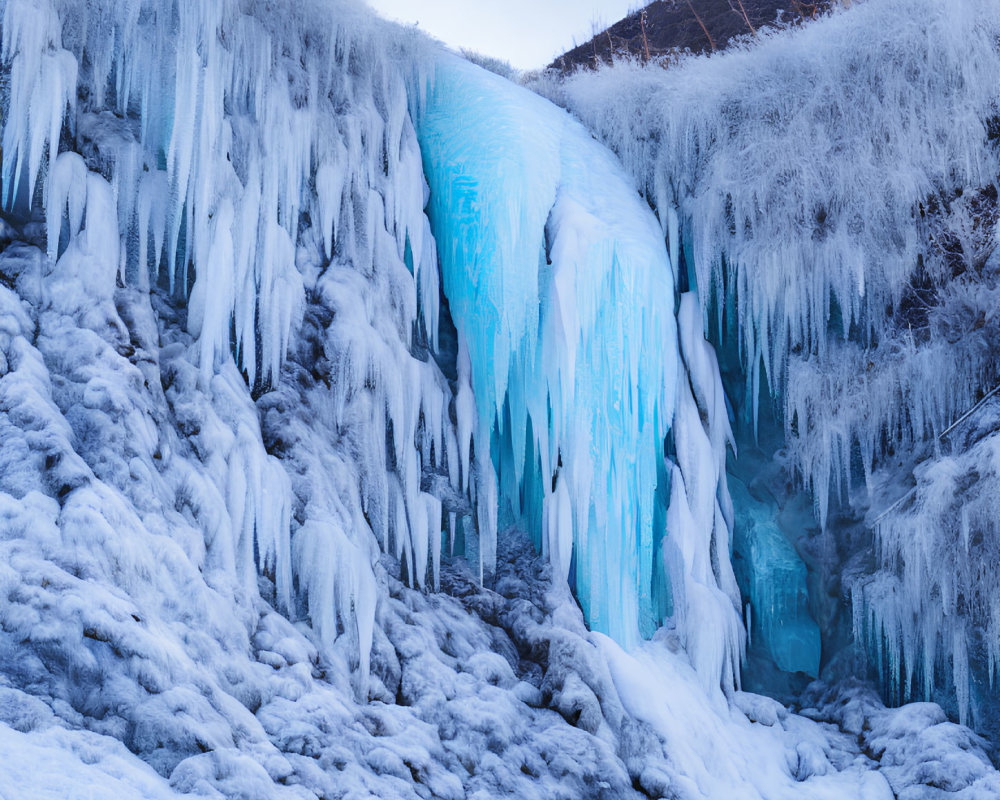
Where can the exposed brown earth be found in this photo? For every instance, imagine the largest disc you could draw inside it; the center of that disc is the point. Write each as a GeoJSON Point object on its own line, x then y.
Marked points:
{"type": "Point", "coordinates": [670, 27]}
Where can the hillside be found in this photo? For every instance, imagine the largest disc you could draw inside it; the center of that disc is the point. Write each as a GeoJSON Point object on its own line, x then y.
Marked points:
{"type": "Point", "coordinates": [668, 27]}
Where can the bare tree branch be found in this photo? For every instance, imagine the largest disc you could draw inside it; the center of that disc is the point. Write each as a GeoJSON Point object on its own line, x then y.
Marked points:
{"type": "Point", "coordinates": [645, 41]}
{"type": "Point", "coordinates": [742, 12]}
{"type": "Point", "coordinates": [711, 41]}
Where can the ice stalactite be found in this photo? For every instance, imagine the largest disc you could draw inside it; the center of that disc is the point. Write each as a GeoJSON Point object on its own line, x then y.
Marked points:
{"type": "Point", "coordinates": [241, 160]}
{"type": "Point", "coordinates": [835, 190]}
{"type": "Point", "coordinates": [937, 556]}
{"type": "Point", "coordinates": [701, 508]}
{"type": "Point", "coordinates": [230, 132]}
{"type": "Point", "coordinates": [562, 291]}
{"type": "Point", "coordinates": [43, 81]}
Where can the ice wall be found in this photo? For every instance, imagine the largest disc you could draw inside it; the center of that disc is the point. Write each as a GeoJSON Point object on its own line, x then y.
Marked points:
{"type": "Point", "coordinates": [833, 188]}
{"type": "Point", "coordinates": [562, 292]}
{"type": "Point", "coordinates": [263, 171]}
{"type": "Point", "coordinates": [254, 171]}
{"type": "Point", "coordinates": [776, 583]}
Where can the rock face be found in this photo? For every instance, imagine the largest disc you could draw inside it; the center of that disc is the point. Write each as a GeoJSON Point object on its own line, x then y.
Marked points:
{"type": "Point", "coordinates": [669, 27]}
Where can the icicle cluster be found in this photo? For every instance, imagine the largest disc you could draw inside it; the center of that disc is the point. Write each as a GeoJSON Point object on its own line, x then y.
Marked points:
{"type": "Point", "coordinates": [835, 188]}
{"type": "Point", "coordinates": [798, 168]}
{"type": "Point", "coordinates": [860, 401]}
{"type": "Point", "coordinates": [562, 292]}
{"type": "Point", "coordinates": [701, 509]}
{"type": "Point", "coordinates": [930, 612]}
{"type": "Point", "coordinates": [220, 125]}
{"type": "Point", "coordinates": [932, 609]}
{"type": "Point", "coordinates": [239, 158]}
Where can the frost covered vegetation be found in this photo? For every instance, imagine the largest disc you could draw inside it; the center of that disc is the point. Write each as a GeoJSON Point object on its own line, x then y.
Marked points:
{"type": "Point", "coordinates": [833, 191]}
{"type": "Point", "coordinates": [331, 445]}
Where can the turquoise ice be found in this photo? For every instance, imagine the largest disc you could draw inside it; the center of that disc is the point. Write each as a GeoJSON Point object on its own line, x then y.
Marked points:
{"type": "Point", "coordinates": [561, 289]}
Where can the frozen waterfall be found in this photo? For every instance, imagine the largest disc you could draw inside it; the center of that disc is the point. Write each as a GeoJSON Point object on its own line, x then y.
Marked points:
{"type": "Point", "coordinates": [563, 295]}
{"type": "Point", "coordinates": [556, 274]}
{"type": "Point", "coordinates": [834, 190]}
{"type": "Point", "coordinates": [371, 426]}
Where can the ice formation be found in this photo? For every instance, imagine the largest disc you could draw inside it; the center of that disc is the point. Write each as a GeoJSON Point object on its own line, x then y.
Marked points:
{"type": "Point", "coordinates": [243, 433]}
{"type": "Point", "coordinates": [562, 293]}
{"type": "Point", "coordinates": [831, 190]}
{"type": "Point", "coordinates": [937, 550]}
{"type": "Point", "coordinates": [233, 174]}
{"type": "Point", "coordinates": [808, 259]}
{"type": "Point", "coordinates": [776, 581]}
{"type": "Point", "coordinates": [231, 146]}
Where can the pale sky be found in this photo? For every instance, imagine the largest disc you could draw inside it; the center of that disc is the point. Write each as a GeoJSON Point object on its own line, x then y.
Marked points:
{"type": "Point", "coordinates": [527, 33]}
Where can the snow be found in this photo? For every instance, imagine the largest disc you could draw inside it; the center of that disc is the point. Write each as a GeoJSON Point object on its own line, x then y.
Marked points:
{"type": "Point", "coordinates": [81, 766]}
{"type": "Point", "coordinates": [142, 631]}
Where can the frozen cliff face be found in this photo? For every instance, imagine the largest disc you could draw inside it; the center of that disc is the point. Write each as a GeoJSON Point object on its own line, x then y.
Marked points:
{"type": "Point", "coordinates": [239, 445]}
{"type": "Point", "coordinates": [257, 175]}
{"type": "Point", "coordinates": [134, 659]}
{"type": "Point", "coordinates": [562, 293]}
{"type": "Point", "coordinates": [251, 169]}
{"type": "Point", "coordinates": [800, 173]}
{"type": "Point", "coordinates": [203, 533]}
{"type": "Point", "coordinates": [833, 193]}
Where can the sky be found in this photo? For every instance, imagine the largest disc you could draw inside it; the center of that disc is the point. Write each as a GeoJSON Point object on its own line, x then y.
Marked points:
{"type": "Point", "coordinates": [527, 33]}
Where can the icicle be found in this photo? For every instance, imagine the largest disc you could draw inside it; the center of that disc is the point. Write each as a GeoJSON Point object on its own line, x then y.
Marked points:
{"type": "Point", "coordinates": [572, 354]}
{"type": "Point", "coordinates": [242, 157]}
{"type": "Point", "coordinates": [67, 193]}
